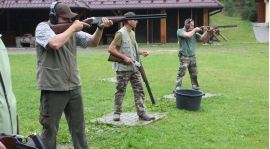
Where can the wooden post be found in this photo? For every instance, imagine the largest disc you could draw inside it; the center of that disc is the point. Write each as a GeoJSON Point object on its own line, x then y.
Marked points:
{"type": "Point", "coordinates": [205, 23]}
{"type": "Point", "coordinates": [147, 30]}
{"type": "Point", "coordinates": [163, 33]}
{"type": "Point", "coordinates": [8, 20]}
{"type": "Point", "coordinates": [120, 25]}
{"type": "Point", "coordinates": [178, 19]}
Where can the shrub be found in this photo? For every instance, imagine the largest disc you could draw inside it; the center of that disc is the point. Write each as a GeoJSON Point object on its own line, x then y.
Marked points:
{"type": "Point", "coordinates": [229, 8]}
{"type": "Point", "coordinates": [249, 11]}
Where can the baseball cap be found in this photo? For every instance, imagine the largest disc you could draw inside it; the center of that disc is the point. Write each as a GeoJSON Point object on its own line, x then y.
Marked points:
{"type": "Point", "coordinates": [63, 10]}
{"type": "Point", "coordinates": [129, 14]}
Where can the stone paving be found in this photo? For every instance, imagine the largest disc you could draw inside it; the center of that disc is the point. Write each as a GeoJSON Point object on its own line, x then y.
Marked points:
{"type": "Point", "coordinates": [171, 96]}
{"type": "Point", "coordinates": [128, 118]}
{"type": "Point", "coordinates": [131, 118]}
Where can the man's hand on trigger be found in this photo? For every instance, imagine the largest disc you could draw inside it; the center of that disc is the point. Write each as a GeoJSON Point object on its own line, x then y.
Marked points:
{"type": "Point", "coordinates": [128, 60]}
{"type": "Point", "coordinates": [198, 29]}
{"type": "Point", "coordinates": [78, 25]}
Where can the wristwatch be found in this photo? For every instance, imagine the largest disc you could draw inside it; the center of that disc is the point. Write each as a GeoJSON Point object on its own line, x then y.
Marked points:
{"type": "Point", "coordinates": [101, 28]}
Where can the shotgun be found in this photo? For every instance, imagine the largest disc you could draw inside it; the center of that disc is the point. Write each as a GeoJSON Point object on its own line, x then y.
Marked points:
{"type": "Point", "coordinates": [220, 26]}
{"type": "Point", "coordinates": [113, 58]}
{"type": "Point", "coordinates": [60, 28]}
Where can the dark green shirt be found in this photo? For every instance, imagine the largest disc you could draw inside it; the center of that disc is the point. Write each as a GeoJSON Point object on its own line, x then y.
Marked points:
{"type": "Point", "coordinates": [187, 45]}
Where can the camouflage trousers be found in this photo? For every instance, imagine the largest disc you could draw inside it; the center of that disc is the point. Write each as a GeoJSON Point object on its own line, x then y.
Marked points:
{"type": "Point", "coordinates": [190, 64]}
{"type": "Point", "coordinates": [122, 79]}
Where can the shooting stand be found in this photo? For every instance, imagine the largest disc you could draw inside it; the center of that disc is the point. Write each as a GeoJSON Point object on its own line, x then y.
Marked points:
{"type": "Point", "coordinates": [215, 33]}
{"type": "Point", "coordinates": [213, 36]}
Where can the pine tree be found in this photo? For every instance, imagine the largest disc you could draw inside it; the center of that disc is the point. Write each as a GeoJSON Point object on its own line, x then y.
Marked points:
{"type": "Point", "coordinates": [229, 8]}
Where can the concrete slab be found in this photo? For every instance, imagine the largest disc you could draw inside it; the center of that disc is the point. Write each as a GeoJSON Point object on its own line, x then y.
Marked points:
{"type": "Point", "coordinates": [128, 118]}
{"type": "Point", "coordinates": [261, 31]}
{"type": "Point", "coordinates": [171, 96]}
{"type": "Point", "coordinates": [113, 79]}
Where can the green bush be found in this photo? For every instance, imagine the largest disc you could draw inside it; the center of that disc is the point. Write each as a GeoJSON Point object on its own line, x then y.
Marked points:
{"type": "Point", "coordinates": [229, 8]}
{"type": "Point", "coordinates": [249, 11]}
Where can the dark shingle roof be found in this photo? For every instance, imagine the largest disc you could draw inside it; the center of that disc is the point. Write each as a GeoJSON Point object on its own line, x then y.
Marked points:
{"type": "Point", "coordinates": [113, 4]}
{"type": "Point", "coordinates": [11, 4]}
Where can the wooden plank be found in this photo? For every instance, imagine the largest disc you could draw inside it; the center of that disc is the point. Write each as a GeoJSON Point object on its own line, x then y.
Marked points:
{"type": "Point", "coordinates": [2, 12]}
{"type": "Point", "coordinates": [120, 25]}
{"type": "Point", "coordinates": [205, 23]}
{"type": "Point", "coordinates": [147, 30]}
{"type": "Point", "coordinates": [205, 17]}
{"type": "Point", "coordinates": [261, 12]}
{"type": "Point", "coordinates": [163, 39]}
{"type": "Point", "coordinates": [80, 15]}
{"type": "Point", "coordinates": [178, 19]}
{"type": "Point", "coordinates": [8, 20]}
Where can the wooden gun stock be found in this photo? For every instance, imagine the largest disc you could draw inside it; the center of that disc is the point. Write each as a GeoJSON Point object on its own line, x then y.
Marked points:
{"type": "Point", "coordinates": [60, 28]}
{"type": "Point", "coordinates": [113, 58]}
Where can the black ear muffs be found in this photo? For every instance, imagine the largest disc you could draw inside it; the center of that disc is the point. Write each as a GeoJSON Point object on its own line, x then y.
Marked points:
{"type": "Point", "coordinates": [53, 16]}
{"type": "Point", "coordinates": [187, 25]}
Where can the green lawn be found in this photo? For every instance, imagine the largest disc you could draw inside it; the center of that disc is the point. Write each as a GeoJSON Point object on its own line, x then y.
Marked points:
{"type": "Point", "coordinates": [238, 70]}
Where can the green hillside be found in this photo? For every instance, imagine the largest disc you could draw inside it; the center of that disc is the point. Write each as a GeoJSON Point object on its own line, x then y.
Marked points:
{"type": "Point", "coordinates": [242, 33]}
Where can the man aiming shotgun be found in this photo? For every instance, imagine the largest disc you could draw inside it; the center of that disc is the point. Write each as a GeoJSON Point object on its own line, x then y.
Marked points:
{"type": "Point", "coordinates": [59, 28]}
{"type": "Point", "coordinates": [124, 46]}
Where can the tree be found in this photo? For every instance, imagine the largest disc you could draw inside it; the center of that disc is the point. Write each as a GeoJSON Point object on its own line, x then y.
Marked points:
{"type": "Point", "coordinates": [250, 10]}
{"type": "Point", "coordinates": [229, 8]}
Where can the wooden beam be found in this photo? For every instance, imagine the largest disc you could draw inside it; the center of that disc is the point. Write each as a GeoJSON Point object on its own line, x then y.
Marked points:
{"type": "Point", "coordinates": [205, 17]}
{"type": "Point", "coordinates": [2, 12]}
{"type": "Point", "coordinates": [82, 13]}
{"type": "Point", "coordinates": [147, 30]}
{"type": "Point", "coordinates": [115, 13]}
{"type": "Point", "coordinates": [120, 25]}
{"type": "Point", "coordinates": [8, 20]}
{"type": "Point", "coordinates": [205, 23]}
{"type": "Point", "coordinates": [178, 19]}
{"type": "Point", "coordinates": [163, 33]}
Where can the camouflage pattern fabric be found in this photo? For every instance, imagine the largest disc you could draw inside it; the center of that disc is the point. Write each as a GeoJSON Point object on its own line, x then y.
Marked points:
{"type": "Point", "coordinates": [190, 63]}
{"type": "Point", "coordinates": [122, 79]}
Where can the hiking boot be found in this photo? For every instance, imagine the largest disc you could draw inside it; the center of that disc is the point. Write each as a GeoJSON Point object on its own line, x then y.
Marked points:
{"type": "Point", "coordinates": [116, 117]}
{"type": "Point", "coordinates": [195, 87]}
{"type": "Point", "coordinates": [174, 92]}
{"type": "Point", "coordinates": [146, 117]}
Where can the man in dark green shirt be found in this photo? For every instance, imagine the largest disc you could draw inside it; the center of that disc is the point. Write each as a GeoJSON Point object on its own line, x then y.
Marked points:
{"type": "Point", "coordinates": [187, 37]}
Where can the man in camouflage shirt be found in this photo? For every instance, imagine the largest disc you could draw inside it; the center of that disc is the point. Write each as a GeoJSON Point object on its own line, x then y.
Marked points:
{"type": "Point", "coordinates": [125, 46]}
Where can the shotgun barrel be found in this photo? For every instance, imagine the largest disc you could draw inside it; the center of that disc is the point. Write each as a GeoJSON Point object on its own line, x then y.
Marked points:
{"type": "Point", "coordinates": [60, 28]}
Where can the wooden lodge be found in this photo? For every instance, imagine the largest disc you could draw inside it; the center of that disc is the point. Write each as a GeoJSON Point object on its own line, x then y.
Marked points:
{"type": "Point", "coordinates": [20, 17]}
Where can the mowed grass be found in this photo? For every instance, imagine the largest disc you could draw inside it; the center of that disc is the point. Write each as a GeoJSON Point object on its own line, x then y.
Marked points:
{"type": "Point", "coordinates": [238, 118]}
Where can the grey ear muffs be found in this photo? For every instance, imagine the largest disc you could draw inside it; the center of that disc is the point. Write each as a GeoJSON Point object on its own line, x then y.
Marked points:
{"type": "Point", "coordinates": [53, 16]}
{"type": "Point", "coordinates": [187, 25]}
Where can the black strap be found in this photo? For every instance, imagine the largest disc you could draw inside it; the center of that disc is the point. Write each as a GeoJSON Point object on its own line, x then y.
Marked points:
{"type": "Point", "coordinates": [3, 86]}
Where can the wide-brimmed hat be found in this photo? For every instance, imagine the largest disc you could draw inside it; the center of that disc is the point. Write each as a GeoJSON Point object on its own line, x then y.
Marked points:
{"type": "Point", "coordinates": [64, 11]}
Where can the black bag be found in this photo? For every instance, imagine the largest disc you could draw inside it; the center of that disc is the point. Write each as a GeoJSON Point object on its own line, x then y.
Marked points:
{"type": "Point", "coordinates": [13, 141]}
